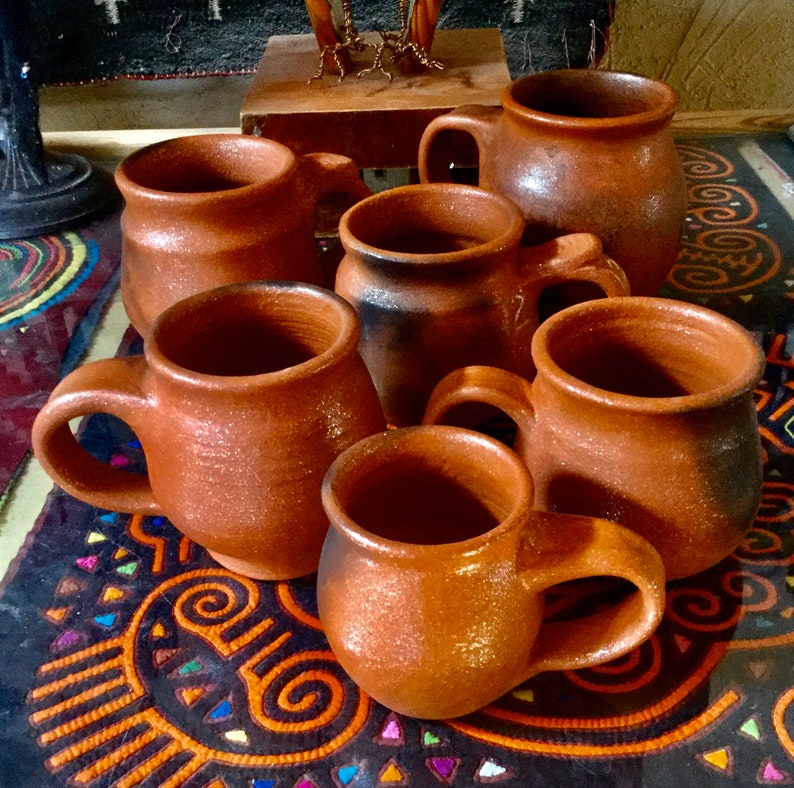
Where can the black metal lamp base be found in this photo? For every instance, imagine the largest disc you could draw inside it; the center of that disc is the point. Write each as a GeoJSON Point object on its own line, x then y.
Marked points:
{"type": "Point", "coordinates": [77, 190]}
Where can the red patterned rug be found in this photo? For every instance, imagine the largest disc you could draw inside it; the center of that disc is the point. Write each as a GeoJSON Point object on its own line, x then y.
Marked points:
{"type": "Point", "coordinates": [53, 289]}
{"type": "Point", "coordinates": [130, 659]}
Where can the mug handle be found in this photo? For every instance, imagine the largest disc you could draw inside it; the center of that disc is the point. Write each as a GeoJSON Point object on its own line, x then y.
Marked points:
{"type": "Point", "coordinates": [490, 385]}
{"type": "Point", "coordinates": [476, 120]}
{"type": "Point", "coordinates": [324, 174]}
{"type": "Point", "coordinates": [329, 173]}
{"type": "Point", "coordinates": [572, 257]}
{"type": "Point", "coordinates": [80, 393]}
{"type": "Point", "coordinates": [564, 547]}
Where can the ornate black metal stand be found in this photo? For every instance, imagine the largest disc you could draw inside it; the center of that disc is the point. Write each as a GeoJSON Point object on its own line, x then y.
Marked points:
{"type": "Point", "coordinates": [39, 192]}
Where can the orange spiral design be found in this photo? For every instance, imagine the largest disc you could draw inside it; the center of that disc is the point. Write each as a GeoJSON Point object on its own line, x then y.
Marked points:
{"type": "Point", "coordinates": [744, 585]}
{"type": "Point", "coordinates": [290, 682]}
{"type": "Point", "coordinates": [100, 684]}
{"type": "Point", "coordinates": [721, 204]}
{"type": "Point", "coordinates": [287, 600]}
{"type": "Point", "coordinates": [722, 260]}
{"type": "Point", "coordinates": [700, 162]}
{"type": "Point", "coordinates": [777, 503]}
{"type": "Point", "coordinates": [760, 541]}
{"type": "Point", "coordinates": [701, 610]}
{"type": "Point", "coordinates": [622, 667]}
{"type": "Point", "coordinates": [779, 721]}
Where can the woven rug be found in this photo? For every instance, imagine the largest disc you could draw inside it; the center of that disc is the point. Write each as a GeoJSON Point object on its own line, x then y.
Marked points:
{"type": "Point", "coordinates": [89, 40]}
{"type": "Point", "coordinates": [53, 289]}
{"type": "Point", "coordinates": [131, 659]}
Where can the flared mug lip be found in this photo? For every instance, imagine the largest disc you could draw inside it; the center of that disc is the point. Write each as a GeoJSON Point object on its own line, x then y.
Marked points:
{"type": "Point", "coordinates": [380, 449]}
{"type": "Point", "coordinates": [273, 296]}
{"type": "Point", "coordinates": [269, 163]}
{"type": "Point", "coordinates": [656, 101]}
{"type": "Point", "coordinates": [674, 317]}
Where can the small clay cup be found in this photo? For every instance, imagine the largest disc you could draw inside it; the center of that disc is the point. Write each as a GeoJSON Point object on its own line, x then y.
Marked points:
{"type": "Point", "coordinates": [580, 150]}
{"type": "Point", "coordinates": [212, 209]}
{"type": "Point", "coordinates": [242, 399]}
{"type": "Point", "coordinates": [433, 575]}
{"type": "Point", "coordinates": [642, 411]}
{"type": "Point", "coordinates": [439, 281]}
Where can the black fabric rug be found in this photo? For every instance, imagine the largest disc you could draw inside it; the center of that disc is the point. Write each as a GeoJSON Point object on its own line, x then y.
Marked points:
{"type": "Point", "coordinates": [75, 41]}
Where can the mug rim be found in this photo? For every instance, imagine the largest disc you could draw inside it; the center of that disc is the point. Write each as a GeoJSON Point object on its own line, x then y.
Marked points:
{"type": "Point", "coordinates": [345, 341]}
{"type": "Point", "coordinates": [219, 143]}
{"type": "Point", "coordinates": [579, 315]}
{"type": "Point", "coordinates": [669, 99]}
{"type": "Point", "coordinates": [365, 452]}
{"type": "Point", "coordinates": [505, 240]}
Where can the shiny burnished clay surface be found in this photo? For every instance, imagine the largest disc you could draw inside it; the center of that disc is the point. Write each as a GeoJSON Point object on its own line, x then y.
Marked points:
{"type": "Point", "coordinates": [581, 150]}
{"type": "Point", "coordinates": [642, 412]}
{"type": "Point", "coordinates": [424, 514]}
{"type": "Point", "coordinates": [213, 209]}
{"type": "Point", "coordinates": [244, 396]}
{"type": "Point", "coordinates": [439, 281]}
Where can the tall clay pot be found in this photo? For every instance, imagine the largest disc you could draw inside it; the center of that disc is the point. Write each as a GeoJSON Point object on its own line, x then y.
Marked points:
{"type": "Point", "coordinates": [243, 397]}
{"type": "Point", "coordinates": [642, 411]}
{"type": "Point", "coordinates": [433, 576]}
{"type": "Point", "coordinates": [581, 151]}
{"type": "Point", "coordinates": [214, 209]}
{"type": "Point", "coordinates": [439, 281]}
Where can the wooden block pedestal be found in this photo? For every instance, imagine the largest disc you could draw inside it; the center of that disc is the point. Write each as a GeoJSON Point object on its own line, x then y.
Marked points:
{"type": "Point", "coordinates": [376, 122]}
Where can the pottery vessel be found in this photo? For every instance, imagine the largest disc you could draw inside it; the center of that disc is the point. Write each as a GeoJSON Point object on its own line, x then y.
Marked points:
{"type": "Point", "coordinates": [581, 150]}
{"type": "Point", "coordinates": [243, 397]}
{"type": "Point", "coordinates": [432, 578]}
{"type": "Point", "coordinates": [439, 281]}
{"type": "Point", "coordinates": [213, 209]}
{"type": "Point", "coordinates": [642, 412]}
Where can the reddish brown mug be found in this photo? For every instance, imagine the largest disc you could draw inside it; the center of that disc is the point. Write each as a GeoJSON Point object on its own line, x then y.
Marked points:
{"type": "Point", "coordinates": [213, 209]}
{"type": "Point", "coordinates": [432, 578]}
{"type": "Point", "coordinates": [642, 411]}
{"type": "Point", "coordinates": [243, 397]}
{"type": "Point", "coordinates": [439, 280]}
{"type": "Point", "coordinates": [581, 150]}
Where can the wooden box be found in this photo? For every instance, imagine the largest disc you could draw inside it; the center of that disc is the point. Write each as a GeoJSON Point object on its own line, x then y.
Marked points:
{"type": "Point", "coordinates": [376, 122]}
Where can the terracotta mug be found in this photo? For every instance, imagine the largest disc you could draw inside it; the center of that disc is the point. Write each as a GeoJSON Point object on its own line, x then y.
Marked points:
{"type": "Point", "coordinates": [242, 398]}
{"type": "Point", "coordinates": [432, 578]}
{"type": "Point", "coordinates": [439, 280]}
{"type": "Point", "coordinates": [580, 150]}
{"type": "Point", "coordinates": [213, 209]}
{"type": "Point", "coordinates": [642, 411]}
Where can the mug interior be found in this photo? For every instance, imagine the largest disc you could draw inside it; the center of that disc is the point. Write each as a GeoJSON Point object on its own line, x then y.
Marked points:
{"type": "Point", "coordinates": [581, 93]}
{"type": "Point", "coordinates": [205, 164]}
{"type": "Point", "coordinates": [649, 349]}
{"type": "Point", "coordinates": [431, 220]}
{"type": "Point", "coordinates": [245, 330]}
{"type": "Point", "coordinates": [427, 486]}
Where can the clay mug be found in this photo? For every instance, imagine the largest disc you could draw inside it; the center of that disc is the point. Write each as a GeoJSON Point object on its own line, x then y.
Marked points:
{"type": "Point", "coordinates": [242, 398]}
{"type": "Point", "coordinates": [580, 150]}
{"type": "Point", "coordinates": [213, 209]}
{"type": "Point", "coordinates": [642, 411]}
{"type": "Point", "coordinates": [432, 578]}
{"type": "Point", "coordinates": [439, 280]}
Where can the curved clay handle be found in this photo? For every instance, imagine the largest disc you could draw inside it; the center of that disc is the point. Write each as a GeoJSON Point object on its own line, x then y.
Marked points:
{"type": "Point", "coordinates": [573, 257]}
{"type": "Point", "coordinates": [474, 119]}
{"type": "Point", "coordinates": [329, 173]}
{"type": "Point", "coordinates": [498, 387]}
{"type": "Point", "coordinates": [108, 386]}
{"type": "Point", "coordinates": [560, 547]}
